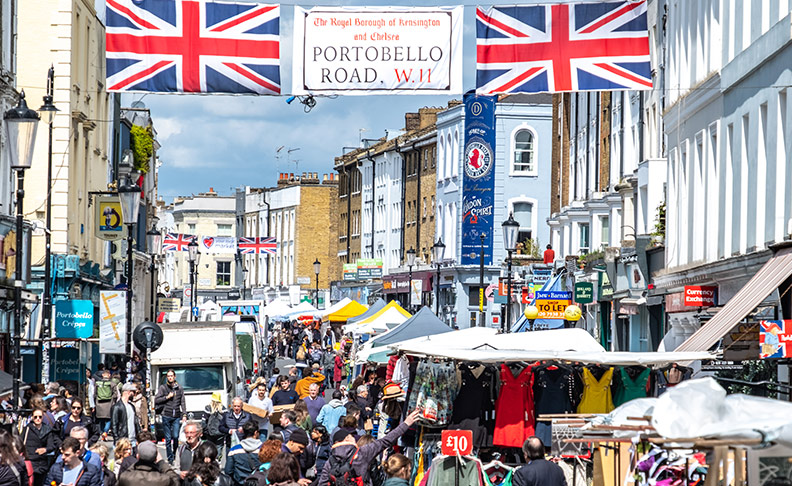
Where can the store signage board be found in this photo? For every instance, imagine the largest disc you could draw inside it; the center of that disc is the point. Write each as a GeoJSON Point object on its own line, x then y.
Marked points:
{"type": "Point", "coordinates": [584, 292]}
{"type": "Point", "coordinates": [304, 280]}
{"type": "Point", "coordinates": [108, 213]}
{"type": "Point", "coordinates": [369, 268]}
{"type": "Point", "coordinates": [775, 339]}
{"type": "Point", "coordinates": [541, 275]}
{"type": "Point", "coordinates": [168, 305]}
{"type": "Point", "coordinates": [74, 319]}
{"type": "Point", "coordinates": [552, 304]}
{"type": "Point", "coordinates": [700, 295]}
{"type": "Point", "coordinates": [455, 442]}
{"type": "Point", "coordinates": [350, 272]}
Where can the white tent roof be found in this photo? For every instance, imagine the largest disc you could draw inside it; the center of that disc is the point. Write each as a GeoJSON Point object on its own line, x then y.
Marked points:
{"type": "Point", "coordinates": [338, 305]}
{"type": "Point", "coordinates": [277, 307]}
{"type": "Point", "coordinates": [385, 321]}
{"type": "Point", "coordinates": [303, 308]}
{"type": "Point", "coordinates": [448, 340]}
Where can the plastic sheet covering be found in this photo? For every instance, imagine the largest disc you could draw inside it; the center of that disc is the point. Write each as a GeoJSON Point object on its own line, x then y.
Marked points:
{"type": "Point", "coordinates": [701, 409]}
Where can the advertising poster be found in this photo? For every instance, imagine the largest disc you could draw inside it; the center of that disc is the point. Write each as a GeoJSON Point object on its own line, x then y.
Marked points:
{"type": "Point", "coordinates": [74, 319]}
{"type": "Point", "coordinates": [350, 271]}
{"type": "Point", "coordinates": [478, 179]}
{"type": "Point", "coordinates": [416, 291]}
{"type": "Point", "coordinates": [112, 322]}
{"type": "Point", "coordinates": [369, 268]}
{"type": "Point", "coordinates": [377, 50]}
{"type": "Point", "coordinates": [773, 339]}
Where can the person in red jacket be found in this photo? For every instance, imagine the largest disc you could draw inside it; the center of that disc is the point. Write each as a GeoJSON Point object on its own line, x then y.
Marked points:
{"type": "Point", "coordinates": [338, 370]}
{"type": "Point", "coordinates": [549, 255]}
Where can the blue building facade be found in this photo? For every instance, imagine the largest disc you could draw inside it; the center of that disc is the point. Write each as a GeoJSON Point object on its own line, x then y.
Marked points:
{"type": "Point", "coordinates": [523, 158]}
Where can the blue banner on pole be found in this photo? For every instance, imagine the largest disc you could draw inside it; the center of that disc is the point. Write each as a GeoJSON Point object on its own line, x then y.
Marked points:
{"type": "Point", "coordinates": [74, 319]}
{"type": "Point", "coordinates": [478, 179]}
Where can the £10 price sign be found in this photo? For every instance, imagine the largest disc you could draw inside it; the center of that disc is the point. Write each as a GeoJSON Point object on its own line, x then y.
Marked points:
{"type": "Point", "coordinates": [455, 442]}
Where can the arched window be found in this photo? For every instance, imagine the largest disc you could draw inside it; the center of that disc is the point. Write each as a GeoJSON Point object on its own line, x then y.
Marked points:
{"type": "Point", "coordinates": [524, 162]}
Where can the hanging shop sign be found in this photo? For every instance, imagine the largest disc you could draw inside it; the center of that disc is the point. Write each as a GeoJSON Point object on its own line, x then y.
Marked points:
{"type": "Point", "coordinates": [369, 268]}
{"type": "Point", "coordinates": [74, 319]}
{"type": "Point", "coordinates": [605, 287]}
{"type": "Point", "coordinates": [416, 291]}
{"type": "Point", "coordinates": [541, 275]}
{"type": "Point", "coordinates": [584, 292]}
{"type": "Point", "coordinates": [110, 225]}
{"type": "Point", "coordinates": [65, 364]}
{"type": "Point", "coordinates": [350, 272]}
{"type": "Point", "coordinates": [478, 179]}
{"type": "Point", "coordinates": [700, 295]}
{"type": "Point", "coordinates": [552, 304]}
{"type": "Point", "coordinates": [775, 338]}
{"type": "Point", "coordinates": [113, 321]}
{"type": "Point", "coordinates": [377, 50]}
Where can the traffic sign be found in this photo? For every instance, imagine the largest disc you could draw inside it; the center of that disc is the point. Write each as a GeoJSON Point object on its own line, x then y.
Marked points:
{"type": "Point", "coordinates": [455, 442]}
{"type": "Point", "coordinates": [195, 311]}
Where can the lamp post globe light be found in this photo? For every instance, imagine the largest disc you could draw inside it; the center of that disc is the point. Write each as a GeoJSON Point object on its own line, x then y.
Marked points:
{"type": "Point", "coordinates": [438, 249]}
{"type": "Point", "coordinates": [192, 257]}
{"type": "Point", "coordinates": [510, 230]}
{"type": "Point", "coordinates": [410, 262]}
{"type": "Point", "coordinates": [154, 245]}
{"type": "Point", "coordinates": [129, 197]}
{"type": "Point", "coordinates": [317, 268]}
{"type": "Point", "coordinates": [47, 112]}
{"type": "Point", "coordinates": [21, 124]}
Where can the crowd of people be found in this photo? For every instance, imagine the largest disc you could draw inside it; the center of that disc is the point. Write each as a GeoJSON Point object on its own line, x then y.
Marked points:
{"type": "Point", "coordinates": [303, 426]}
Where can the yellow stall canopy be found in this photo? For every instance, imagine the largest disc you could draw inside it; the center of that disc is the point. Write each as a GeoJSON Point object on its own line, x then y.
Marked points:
{"type": "Point", "coordinates": [352, 309]}
{"type": "Point", "coordinates": [386, 318]}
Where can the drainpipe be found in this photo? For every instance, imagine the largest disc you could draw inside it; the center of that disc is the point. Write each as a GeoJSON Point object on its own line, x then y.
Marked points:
{"type": "Point", "coordinates": [373, 197]}
{"type": "Point", "coordinates": [404, 204]}
{"type": "Point", "coordinates": [621, 139]}
{"type": "Point", "coordinates": [418, 203]}
{"type": "Point", "coordinates": [597, 140]}
{"type": "Point", "coordinates": [349, 212]}
{"type": "Point", "coordinates": [588, 142]}
{"type": "Point", "coordinates": [640, 128]}
{"type": "Point", "coordinates": [574, 153]}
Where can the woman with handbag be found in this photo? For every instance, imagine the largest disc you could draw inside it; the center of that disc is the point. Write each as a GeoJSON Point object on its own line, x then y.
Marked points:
{"type": "Point", "coordinates": [39, 441]}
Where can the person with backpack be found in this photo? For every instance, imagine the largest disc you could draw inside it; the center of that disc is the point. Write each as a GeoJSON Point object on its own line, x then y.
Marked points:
{"type": "Point", "coordinates": [243, 459]}
{"type": "Point", "coordinates": [169, 403]}
{"type": "Point", "coordinates": [106, 394]}
{"type": "Point", "coordinates": [349, 464]}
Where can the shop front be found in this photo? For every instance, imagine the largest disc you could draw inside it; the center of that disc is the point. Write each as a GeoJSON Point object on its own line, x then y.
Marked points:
{"type": "Point", "coordinates": [410, 295]}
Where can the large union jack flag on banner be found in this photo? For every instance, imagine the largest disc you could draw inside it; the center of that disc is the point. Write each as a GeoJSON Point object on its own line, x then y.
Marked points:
{"type": "Point", "coordinates": [257, 245]}
{"type": "Point", "coordinates": [193, 46]}
{"type": "Point", "coordinates": [562, 47]}
{"type": "Point", "coordinates": [176, 242]}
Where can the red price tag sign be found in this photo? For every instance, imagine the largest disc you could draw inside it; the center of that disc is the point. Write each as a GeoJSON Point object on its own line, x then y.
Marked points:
{"type": "Point", "coordinates": [457, 442]}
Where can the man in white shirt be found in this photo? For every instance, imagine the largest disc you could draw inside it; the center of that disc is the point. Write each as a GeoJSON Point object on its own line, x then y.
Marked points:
{"type": "Point", "coordinates": [260, 399]}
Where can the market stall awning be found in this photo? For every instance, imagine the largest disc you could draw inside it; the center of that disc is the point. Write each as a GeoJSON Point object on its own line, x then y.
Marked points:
{"type": "Point", "coordinates": [338, 305]}
{"type": "Point", "coordinates": [767, 279]}
{"type": "Point", "coordinates": [423, 323]}
{"type": "Point", "coordinates": [351, 309]}
{"type": "Point", "coordinates": [302, 309]}
{"type": "Point", "coordinates": [375, 307]}
{"type": "Point", "coordinates": [277, 307]}
{"type": "Point", "coordinates": [386, 318]}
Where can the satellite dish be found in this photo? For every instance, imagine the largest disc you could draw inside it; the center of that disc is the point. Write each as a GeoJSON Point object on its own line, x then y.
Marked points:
{"type": "Point", "coordinates": [146, 331]}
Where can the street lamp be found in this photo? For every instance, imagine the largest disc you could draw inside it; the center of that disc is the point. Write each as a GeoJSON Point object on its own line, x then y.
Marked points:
{"type": "Point", "coordinates": [192, 256]}
{"type": "Point", "coordinates": [410, 263]}
{"type": "Point", "coordinates": [437, 255]}
{"type": "Point", "coordinates": [481, 281]}
{"type": "Point", "coordinates": [21, 124]}
{"type": "Point", "coordinates": [244, 279]}
{"type": "Point", "coordinates": [510, 230]}
{"type": "Point", "coordinates": [317, 267]}
{"type": "Point", "coordinates": [129, 197]}
{"type": "Point", "coordinates": [154, 245]}
{"type": "Point", "coordinates": [47, 113]}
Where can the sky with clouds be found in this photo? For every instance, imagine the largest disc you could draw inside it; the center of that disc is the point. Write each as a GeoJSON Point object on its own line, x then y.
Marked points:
{"type": "Point", "coordinates": [225, 142]}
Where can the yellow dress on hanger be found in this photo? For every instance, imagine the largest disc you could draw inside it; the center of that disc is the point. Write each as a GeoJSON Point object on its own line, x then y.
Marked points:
{"type": "Point", "coordinates": [597, 397]}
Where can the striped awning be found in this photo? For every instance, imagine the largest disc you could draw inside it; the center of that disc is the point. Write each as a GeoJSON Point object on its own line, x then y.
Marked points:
{"type": "Point", "coordinates": [767, 279]}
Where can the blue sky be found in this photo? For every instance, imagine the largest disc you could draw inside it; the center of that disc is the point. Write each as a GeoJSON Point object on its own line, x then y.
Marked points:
{"type": "Point", "coordinates": [224, 142]}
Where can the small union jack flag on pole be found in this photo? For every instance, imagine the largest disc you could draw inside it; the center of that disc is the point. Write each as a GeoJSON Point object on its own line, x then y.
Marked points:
{"type": "Point", "coordinates": [563, 47]}
{"type": "Point", "coordinates": [257, 245]}
{"type": "Point", "coordinates": [176, 242]}
{"type": "Point", "coordinates": [193, 46]}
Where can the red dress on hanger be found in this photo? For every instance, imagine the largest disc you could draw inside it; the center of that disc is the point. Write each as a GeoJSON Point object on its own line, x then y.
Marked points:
{"type": "Point", "coordinates": [514, 409]}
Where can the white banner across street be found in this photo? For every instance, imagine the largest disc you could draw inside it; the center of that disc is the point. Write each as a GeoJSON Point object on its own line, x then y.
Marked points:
{"type": "Point", "coordinates": [377, 50]}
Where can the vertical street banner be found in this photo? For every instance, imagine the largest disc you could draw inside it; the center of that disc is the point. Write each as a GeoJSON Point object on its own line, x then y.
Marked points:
{"type": "Point", "coordinates": [478, 179]}
{"type": "Point", "coordinates": [377, 50]}
{"type": "Point", "coordinates": [112, 322]}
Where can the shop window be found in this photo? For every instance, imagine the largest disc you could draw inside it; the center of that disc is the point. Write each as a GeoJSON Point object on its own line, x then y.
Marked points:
{"type": "Point", "coordinates": [523, 214]}
{"type": "Point", "coordinates": [524, 153]}
{"type": "Point", "coordinates": [223, 274]}
{"type": "Point", "coordinates": [473, 296]}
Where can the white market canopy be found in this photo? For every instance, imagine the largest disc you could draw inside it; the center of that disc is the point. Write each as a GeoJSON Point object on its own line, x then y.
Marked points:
{"type": "Point", "coordinates": [303, 309]}
{"type": "Point", "coordinates": [486, 346]}
{"type": "Point", "coordinates": [335, 307]}
{"type": "Point", "coordinates": [277, 307]}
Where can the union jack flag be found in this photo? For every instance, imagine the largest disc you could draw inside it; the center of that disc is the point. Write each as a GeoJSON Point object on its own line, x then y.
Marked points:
{"type": "Point", "coordinates": [176, 242]}
{"type": "Point", "coordinates": [193, 46]}
{"type": "Point", "coordinates": [562, 47]}
{"type": "Point", "coordinates": [257, 245]}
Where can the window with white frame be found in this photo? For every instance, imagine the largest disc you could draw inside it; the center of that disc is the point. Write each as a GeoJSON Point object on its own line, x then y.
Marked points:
{"type": "Point", "coordinates": [584, 232]}
{"type": "Point", "coordinates": [604, 231]}
{"type": "Point", "coordinates": [223, 274]}
{"type": "Point", "coordinates": [524, 152]}
{"type": "Point", "coordinates": [224, 230]}
{"type": "Point", "coordinates": [523, 214]}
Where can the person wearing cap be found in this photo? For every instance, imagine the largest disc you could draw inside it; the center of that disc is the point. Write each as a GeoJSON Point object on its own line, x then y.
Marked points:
{"type": "Point", "coordinates": [297, 442]}
{"type": "Point", "coordinates": [330, 414]}
{"type": "Point", "coordinates": [345, 449]}
{"type": "Point", "coordinates": [211, 423]}
{"type": "Point", "coordinates": [243, 459]}
{"type": "Point", "coordinates": [148, 471]}
{"type": "Point", "coordinates": [309, 377]}
{"type": "Point", "coordinates": [171, 406]}
{"type": "Point", "coordinates": [72, 469]}
{"type": "Point", "coordinates": [124, 420]}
